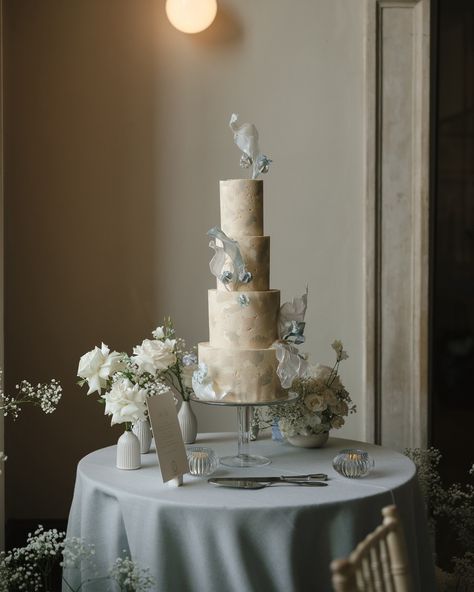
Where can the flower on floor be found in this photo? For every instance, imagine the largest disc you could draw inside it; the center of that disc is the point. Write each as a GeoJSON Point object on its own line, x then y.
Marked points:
{"type": "Point", "coordinates": [130, 577]}
{"type": "Point", "coordinates": [156, 366]}
{"type": "Point", "coordinates": [323, 401]}
{"type": "Point", "coordinates": [31, 568]}
{"type": "Point", "coordinates": [453, 507]}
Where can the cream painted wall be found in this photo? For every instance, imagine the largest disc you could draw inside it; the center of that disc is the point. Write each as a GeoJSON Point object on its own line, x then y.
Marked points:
{"type": "Point", "coordinates": [116, 137]}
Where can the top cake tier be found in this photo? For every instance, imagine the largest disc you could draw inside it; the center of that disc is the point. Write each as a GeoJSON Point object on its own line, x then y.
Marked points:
{"type": "Point", "coordinates": [242, 207]}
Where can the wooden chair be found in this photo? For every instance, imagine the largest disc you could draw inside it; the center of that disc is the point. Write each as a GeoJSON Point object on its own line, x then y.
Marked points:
{"type": "Point", "coordinates": [379, 563]}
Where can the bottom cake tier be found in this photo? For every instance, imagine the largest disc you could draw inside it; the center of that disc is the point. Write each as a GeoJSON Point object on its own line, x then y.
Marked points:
{"type": "Point", "coordinates": [244, 375]}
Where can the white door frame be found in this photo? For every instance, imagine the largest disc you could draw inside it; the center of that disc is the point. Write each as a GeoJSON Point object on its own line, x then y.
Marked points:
{"type": "Point", "coordinates": [397, 79]}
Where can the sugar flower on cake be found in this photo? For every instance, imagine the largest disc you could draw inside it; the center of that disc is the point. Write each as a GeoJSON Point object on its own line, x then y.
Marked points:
{"type": "Point", "coordinates": [154, 355]}
{"type": "Point", "coordinates": [97, 366]}
{"type": "Point", "coordinates": [125, 402]}
{"type": "Point", "coordinates": [323, 402]}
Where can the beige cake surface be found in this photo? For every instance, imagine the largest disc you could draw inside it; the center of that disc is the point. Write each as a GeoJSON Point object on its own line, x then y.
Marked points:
{"type": "Point", "coordinates": [246, 375]}
{"type": "Point", "coordinates": [236, 325]}
{"type": "Point", "coordinates": [243, 318]}
{"type": "Point", "coordinates": [242, 207]}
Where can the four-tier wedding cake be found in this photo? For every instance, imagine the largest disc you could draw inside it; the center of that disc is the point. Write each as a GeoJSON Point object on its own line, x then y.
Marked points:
{"type": "Point", "coordinates": [249, 357]}
{"type": "Point", "coordinates": [243, 320]}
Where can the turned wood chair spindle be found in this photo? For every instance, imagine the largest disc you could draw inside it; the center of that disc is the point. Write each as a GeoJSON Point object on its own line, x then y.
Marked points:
{"type": "Point", "coordinates": [379, 563]}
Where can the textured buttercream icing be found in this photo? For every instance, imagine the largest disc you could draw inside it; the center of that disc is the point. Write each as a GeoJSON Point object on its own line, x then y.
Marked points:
{"type": "Point", "coordinates": [245, 375]}
{"type": "Point", "coordinates": [242, 207]}
{"type": "Point", "coordinates": [243, 319]}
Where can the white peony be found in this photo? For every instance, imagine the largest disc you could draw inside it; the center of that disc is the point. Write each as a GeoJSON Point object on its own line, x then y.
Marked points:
{"type": "Point", "coordinates": [152, 355]}
{"type": "Point", "coordinates": [125, 402]}
{"type": "Point", "coordinates": [98, 365]}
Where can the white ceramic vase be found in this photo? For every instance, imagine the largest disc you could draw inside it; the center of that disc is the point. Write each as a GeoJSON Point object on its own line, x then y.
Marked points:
{"type": "Point", "coordinates": [187, 422]}
{"type": "Point", "coordinates": [311, 441]}
{"type": "Point", "coordinates": [128, 451]}
{"type": "Point", "coordinates": [142, 431]}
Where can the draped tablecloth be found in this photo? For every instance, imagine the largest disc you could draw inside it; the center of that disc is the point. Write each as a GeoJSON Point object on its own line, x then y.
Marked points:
{"type": "Point", "coordinates": [203, 538]}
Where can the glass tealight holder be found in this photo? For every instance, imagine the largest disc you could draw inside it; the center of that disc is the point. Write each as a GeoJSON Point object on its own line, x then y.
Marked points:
{"type": "Point", "coordinates": [353, 463]}
{"type": "Point", "coordinates": [202, 461]}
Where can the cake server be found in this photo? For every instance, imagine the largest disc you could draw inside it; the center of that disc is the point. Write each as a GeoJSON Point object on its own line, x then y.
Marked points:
{"type": "Point", "coordinates": [243, 483]}
{"type": "Point", "coordinates": [280, 479]}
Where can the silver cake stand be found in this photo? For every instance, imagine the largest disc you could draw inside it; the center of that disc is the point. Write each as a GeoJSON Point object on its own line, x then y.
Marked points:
{"type": "Point", "coordinates": [243, 458]}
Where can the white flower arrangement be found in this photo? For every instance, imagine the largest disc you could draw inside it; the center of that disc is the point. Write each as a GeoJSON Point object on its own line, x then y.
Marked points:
{"type": "Point", "coordinates": [323, 401]}
{"type": "Point", "coordinates": [130, 577]}
{"type": "Point", "coordinates": [31, 568]}
{"type": "Point", "coordinates": [156, 366]}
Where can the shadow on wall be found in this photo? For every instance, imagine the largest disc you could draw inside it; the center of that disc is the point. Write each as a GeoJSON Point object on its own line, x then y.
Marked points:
{"type": "Point", "coordinates": [80, 210]}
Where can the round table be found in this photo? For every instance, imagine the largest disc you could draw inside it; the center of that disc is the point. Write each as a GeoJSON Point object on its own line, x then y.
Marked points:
{"type": "Point", "coordinates": [203, 538]}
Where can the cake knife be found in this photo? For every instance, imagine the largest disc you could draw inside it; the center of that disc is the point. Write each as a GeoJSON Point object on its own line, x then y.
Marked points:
{"type": "Point", "coordinates": [280, 479]}
{"type": "Point", "coordinates": [243, 483]}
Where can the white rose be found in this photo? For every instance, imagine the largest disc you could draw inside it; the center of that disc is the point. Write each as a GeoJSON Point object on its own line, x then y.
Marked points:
{"type": "Point", "coordinates": [315, 402]}
{"type": "Point", "coordinates": [337, 422]}
{"type": "Point", "coordinates": [340, 408]}
{"type": "Point", "coordinates": [125, 402]}
{"type": "Point", "coordinates": [330, 397]}
{"type": "Point", "coordinates": [98, 365]}
{"type": "Point", "coordinates": [152, 356]}
{"type": "Point", "coordinates": [158, 333]}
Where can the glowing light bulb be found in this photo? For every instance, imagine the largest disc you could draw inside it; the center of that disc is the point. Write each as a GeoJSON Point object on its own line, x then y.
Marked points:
{"type": "Point", "coordinates": [191, 16]}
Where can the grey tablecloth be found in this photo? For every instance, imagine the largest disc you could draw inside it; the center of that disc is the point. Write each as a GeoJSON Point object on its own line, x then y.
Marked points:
{"type": "Point", "coordinates": [200, 538]}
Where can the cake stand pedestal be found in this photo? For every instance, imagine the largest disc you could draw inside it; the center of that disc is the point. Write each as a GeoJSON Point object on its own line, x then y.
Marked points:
{"type": "Point", "coordinates": [243, 458]}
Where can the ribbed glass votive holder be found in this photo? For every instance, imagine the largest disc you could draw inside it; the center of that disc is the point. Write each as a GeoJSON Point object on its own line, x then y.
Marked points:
{"type": "Point", "coordinates": [353, 463]}
{"type": "Point", "coordinates": [202, 461]}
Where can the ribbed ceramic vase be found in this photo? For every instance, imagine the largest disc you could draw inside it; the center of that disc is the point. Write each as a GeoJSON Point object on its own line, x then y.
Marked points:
{"type": "Point", "coordinates": [310, 441]}
{"type": "Point", "coordinates": [187, 422]}
{"type": "Point", "coordinates": [128, 451]}
{"type": "Point", "coordinates": [142, 431]}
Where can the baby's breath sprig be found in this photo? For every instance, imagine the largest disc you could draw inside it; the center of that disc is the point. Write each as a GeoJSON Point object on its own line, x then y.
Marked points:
{"type": "Point", "coordinates": [46, 396]}
{"type": "Point", "coordinates": [454, 506]}
{"type": "Point", "coordinates": [130, 577]}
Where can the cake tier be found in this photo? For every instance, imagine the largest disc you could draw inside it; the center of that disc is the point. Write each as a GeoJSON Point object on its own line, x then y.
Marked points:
{"type": "Point", "coordinates": [246, 375]}
{"type": "Point", "coordinates": [256, 254]}
{"type": "Point", "coordinates": [242, 207]}
{"type": "Point", "coordinates": [243, 319]}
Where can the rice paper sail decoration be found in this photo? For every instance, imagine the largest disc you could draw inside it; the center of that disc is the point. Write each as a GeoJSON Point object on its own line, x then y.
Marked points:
{"type": "Point", "coordinates": [291, 320]}
{"type": "Point", "coordinates": [291, 364]}
{"type": "Point", "coordinates": [246, 139]}
{"type": "Point", "coordinates": [203, 385]}
{"type": "Point", "coordinates": [228, 247]}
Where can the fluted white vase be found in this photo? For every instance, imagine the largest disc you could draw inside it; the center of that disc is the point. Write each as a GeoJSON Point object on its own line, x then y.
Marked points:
{"type": "Point", "coordinates": [142, 431]}
{"type": "Point", "coordinates": [187, 422]}
{"type": "Point", "coordinates": [128, 451]}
